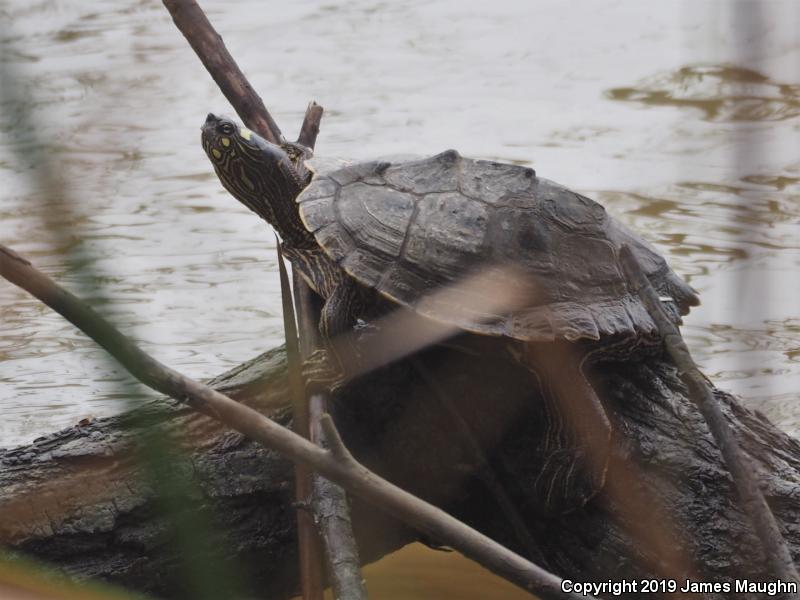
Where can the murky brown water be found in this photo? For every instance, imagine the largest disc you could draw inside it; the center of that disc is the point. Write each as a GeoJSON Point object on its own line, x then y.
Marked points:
{"type": "Point", "coordinates": [682, 117]}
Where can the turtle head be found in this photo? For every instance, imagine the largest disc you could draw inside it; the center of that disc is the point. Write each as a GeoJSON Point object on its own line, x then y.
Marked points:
{"type": "Point", "coordinates": [258, 173]}
{"type": "Point", "coordinates": [221, 136]}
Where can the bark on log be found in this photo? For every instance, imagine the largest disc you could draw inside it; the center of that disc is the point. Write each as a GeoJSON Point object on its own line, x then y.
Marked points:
{"type": "Point", "coordinates": [77, 499]}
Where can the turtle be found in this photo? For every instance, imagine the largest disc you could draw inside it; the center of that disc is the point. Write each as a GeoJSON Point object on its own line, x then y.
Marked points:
{"type": "Point", "coordinates": [394, 231]}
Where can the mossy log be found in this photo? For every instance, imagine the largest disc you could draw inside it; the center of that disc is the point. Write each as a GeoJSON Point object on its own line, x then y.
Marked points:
{"type": "Point", "coordinates": [78, 498]}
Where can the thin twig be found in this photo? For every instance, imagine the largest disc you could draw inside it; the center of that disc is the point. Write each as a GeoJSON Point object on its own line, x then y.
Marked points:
{"type": "Point", "coordinates": [766, 527]}
{"type": "Point", "coordinates": [292, 345]}
{"type": "Point", "coordinates": [353, 476]}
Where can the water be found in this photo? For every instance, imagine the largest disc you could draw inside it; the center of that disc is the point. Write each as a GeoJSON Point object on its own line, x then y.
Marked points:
{"type": "Point", "coordinates": [681, 117]}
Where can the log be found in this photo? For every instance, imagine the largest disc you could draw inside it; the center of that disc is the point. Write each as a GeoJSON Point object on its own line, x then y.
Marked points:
{"type": "Point", "coordinates": [77, 498]}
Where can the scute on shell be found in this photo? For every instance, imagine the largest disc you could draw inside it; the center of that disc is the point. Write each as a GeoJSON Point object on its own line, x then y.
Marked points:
{"type": "Point", "coordinates": [415, 229]}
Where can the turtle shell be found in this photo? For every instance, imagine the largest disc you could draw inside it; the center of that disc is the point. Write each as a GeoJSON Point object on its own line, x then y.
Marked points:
{"type": "Point", "coordinates": [412, 229]}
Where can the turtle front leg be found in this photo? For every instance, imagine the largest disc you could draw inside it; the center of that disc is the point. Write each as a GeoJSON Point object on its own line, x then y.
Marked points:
{"type": "Point", "coordinates": [576, 443]}
{"type": "Point", "coordinates": [327, 368]}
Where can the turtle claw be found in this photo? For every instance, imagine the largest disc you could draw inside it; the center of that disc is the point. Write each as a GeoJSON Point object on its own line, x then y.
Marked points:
{"type": "Point", "coordinates": [568, 480]}
{"type": "Point", "coordinates": [320, 375]}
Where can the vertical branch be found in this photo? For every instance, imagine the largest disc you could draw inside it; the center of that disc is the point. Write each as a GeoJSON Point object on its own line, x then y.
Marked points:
{"type": "Point", "coordinates": [309, 545]}
{"type": "Point", "coordinates": [329, 500]}
{"type": "Point", "coordinates": [310, 128]}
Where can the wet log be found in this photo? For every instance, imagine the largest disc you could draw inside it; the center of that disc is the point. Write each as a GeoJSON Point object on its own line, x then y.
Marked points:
{"type": "Point", "coordinates": [78, 499]}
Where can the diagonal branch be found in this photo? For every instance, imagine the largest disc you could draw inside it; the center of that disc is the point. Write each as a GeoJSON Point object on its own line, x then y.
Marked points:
{"type": "Point", "coordinates": [209, 47]}
{"type": "Point", "coordinates": [353, 476]}
{"type": "Point", "coordinates": [766, 527]}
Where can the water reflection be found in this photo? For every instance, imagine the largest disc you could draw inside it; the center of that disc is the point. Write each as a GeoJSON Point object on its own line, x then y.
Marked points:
{"type": "Point", "coordinates": [722, 92]}
{"type": "Point", "coordinates": [779, 182]}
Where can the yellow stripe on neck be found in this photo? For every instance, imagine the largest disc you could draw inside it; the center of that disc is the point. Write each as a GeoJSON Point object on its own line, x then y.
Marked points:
{"type": "Point", "coordinates": [245, 133]}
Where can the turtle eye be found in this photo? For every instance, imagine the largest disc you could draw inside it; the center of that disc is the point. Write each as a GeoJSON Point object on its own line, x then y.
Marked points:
{"type": "Point", "coordinates": [226, 128]}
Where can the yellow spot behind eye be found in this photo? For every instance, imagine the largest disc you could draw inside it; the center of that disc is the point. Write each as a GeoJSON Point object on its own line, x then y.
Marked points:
{"type": "Point", "coordinates": [225, 141]}
{"type": "Point", "coordinates": [245, 133]}
{"type": "Point", "coordinates": [216, 153]}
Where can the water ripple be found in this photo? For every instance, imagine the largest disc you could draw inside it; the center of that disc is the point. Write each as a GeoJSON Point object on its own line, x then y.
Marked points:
{"type": "Point", "coordinates": [723, 93]}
